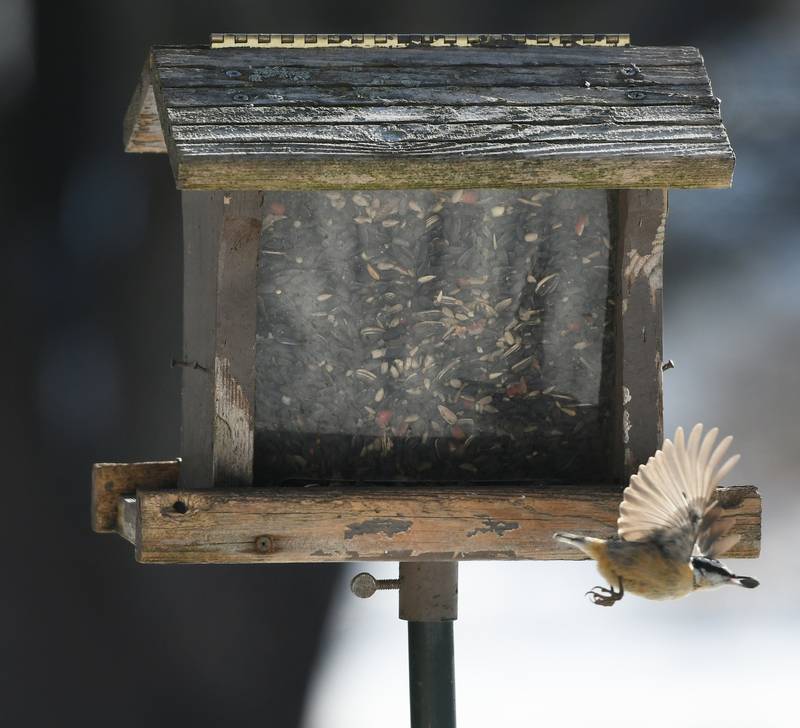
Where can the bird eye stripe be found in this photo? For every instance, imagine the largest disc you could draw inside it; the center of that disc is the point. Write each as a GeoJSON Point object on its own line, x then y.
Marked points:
{"type": "Point", "coordinates": [708, 565]}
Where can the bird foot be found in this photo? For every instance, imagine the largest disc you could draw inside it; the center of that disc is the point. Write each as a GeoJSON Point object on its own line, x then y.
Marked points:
{"type": "Point", "coordinates": [604, 597]}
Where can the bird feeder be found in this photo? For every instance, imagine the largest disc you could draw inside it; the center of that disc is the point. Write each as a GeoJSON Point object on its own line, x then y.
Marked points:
{"type": "Point", "coordinates": [422, 294]}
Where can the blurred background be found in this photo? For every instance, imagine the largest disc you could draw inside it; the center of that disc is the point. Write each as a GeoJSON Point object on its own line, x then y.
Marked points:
{"type": "Point", "coordinates": [91, 289]}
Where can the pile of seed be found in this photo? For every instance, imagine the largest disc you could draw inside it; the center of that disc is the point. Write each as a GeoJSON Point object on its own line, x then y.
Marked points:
{"type": "Point", "coordinates": [426, 335]}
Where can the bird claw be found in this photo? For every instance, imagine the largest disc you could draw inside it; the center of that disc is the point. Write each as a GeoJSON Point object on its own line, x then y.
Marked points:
{"type": "Point", "coordinates": [603, 597]}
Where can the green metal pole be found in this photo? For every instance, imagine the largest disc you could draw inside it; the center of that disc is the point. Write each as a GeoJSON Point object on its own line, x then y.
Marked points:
{"type": "Point", "coordinates": [431, 675]}
{"type": "Point", "coordinates": [429, 603]}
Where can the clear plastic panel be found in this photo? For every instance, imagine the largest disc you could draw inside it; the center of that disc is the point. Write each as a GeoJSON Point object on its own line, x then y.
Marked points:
{"type": "Point", "coordinates": [434, 336]}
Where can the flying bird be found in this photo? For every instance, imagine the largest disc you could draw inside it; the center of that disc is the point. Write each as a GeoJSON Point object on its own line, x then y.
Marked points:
{"type": "Point", "coordinates": [670, 530]}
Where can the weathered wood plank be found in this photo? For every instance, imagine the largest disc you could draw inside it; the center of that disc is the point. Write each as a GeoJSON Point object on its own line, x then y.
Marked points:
{"type": "Point", "coordinates": [359, 523]}
{"type": "Point", "coordinates": [459, 75]}
{"type": "Point", "coordinates": [427, 57]}
{"type": "Point", "coordinates": [141, 128]}
{"type": "Point", "coordinates": [640, 247]}
{"type": "Point", "coordinates": [652, 108]}
{"type": "Point", "coordinates": [482, 114]}
{"type": "Point", "coordinates": [269, 152]}
{"type": "Point", "coordinates": [110, 481]}
{"type": "Point", "coordinates": [291, 167]}
{"type": "Point", "coordinates": [441, 95]}
{"type": "Point", "coordinates": [221, 235]}
{"type": "Point", "coordinates": [390, 138]}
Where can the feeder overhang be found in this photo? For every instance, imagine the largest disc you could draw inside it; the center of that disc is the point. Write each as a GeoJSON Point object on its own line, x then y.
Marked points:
{"type": "Point", "coordinates": [431, 117]}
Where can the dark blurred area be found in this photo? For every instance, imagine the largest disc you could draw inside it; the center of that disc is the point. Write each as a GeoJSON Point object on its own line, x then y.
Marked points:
{"type": "Point", "coordinates": [92, 295]}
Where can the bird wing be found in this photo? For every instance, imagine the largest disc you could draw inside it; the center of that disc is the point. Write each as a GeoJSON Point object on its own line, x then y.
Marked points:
{"type": "Point", "coordinates": [671, 498]}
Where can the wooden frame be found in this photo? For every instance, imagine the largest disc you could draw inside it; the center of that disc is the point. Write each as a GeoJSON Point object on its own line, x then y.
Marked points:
{"type": "Point", "coordinates": [364, 523]}
{"type": "Point", "coordinates": [398, 522]}
{"type": "Point", "coordinates": [221, 237]}
{"type": "Point", "coordinates": [287, 119]}
{"type": "Point", "coordinates": [633, 120]}
{"type": "Point", "coordinates": [639, 248]}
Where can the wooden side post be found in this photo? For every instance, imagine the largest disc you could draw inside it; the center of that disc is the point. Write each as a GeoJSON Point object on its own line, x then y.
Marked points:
{"type": "Point", "coordinates": [221, 238]}
{"type": "Point", "coordinates": [642, 217]}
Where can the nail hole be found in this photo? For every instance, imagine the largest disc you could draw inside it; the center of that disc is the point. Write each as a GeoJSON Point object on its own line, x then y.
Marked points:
{"type": "Point", "coordinates": [179, 507]}
{"type": "Point", "coordinates": [264, 544]}
{"type": "Point", "coordinates": [241, 97]}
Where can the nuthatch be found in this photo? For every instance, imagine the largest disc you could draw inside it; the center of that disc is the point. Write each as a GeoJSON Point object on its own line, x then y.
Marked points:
{"type": "Point", "coordinates": [670, 529]}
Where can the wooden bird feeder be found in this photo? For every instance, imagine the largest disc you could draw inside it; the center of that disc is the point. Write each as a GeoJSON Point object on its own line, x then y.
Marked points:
{"type": "Point", "coordinates": [422, 302]}
{"type": "Point", "coordinates": [422, 292]}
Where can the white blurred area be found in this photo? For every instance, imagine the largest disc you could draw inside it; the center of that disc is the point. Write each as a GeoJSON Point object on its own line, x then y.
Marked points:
{"type": "Point", "coordinates": [530, 648]}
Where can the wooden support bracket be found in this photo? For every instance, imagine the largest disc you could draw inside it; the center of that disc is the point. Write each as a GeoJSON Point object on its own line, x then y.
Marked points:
{"type": "Point", "coordinates": [368, 522]}
{"type": "Point", "coordinates": [112, 481]}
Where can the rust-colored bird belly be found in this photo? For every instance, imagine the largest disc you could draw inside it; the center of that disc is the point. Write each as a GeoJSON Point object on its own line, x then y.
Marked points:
{"type": "Point", "coordinates": [644, 570]}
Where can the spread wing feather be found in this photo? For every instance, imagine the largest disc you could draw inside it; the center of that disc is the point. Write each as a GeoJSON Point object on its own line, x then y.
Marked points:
{"type": "Point", "coordinates": [671, 497]}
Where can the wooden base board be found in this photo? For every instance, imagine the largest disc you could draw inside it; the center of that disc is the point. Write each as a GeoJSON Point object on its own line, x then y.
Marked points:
{"type": "Point", "coordinates": [371, 523]}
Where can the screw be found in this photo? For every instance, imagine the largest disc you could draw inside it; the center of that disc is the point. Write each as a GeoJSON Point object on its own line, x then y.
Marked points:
{"type": "Point", "coordinates": [241, 97]}
{"type": "Point", "coordinates": [233, 73]}
{"type": "Point", "coordinates": [630, 70]}
{"type": "Point", "coordinates": [635, 95]}
{"type": "Point", "coordinates": [668, 364]}
{"type": "Point", "coordinates": [364, 585]}
{"type": "Point", "coordinates": [264, 544]}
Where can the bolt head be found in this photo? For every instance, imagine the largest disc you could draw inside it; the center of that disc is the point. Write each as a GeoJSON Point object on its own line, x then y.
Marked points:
{"type": "Point", "coordinates": [363, 585]}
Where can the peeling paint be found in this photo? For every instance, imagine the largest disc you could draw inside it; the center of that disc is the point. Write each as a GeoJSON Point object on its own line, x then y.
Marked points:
{"type": "Point", "coordinates": [437, 555]}
{"type": "Point", "coordinates": [398, 555]}
{"type": "Point", "coordinates": [488, 555]}
{"type": "Point", "coordinates": [387, 526]}
{"type": "Point", "coordinates": [233, 425]}
{"type": "Point", "coordinates": [626, 427]}
{"type": "Point", "coordinates": [647, 266]}
{"type": "Point", "coordinates": [490, 525]}
{"type": "Point", "coordinates": [626, 395]}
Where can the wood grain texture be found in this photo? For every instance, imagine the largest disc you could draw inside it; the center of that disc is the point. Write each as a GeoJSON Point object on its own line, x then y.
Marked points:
{"type": "Point", "coordinates": [110, 481]}
{"type": "Point", "coordinates": [642, 216]}
{"type": "Point", "coordinates": [166, 56]}
{"type": "Point", "coordinates": [454, 96]}
{"type": "Point", "coordinates": [437, 138]}
{"type": "Point", "coordinates": [287, 167]}
{"type": "Point", "coordinates": [221, 236]}
{"type": "Point", "coordinates": [405, 118]}
{"type": "Point", "coordinates": [361, 523]}
{"type": "Point", "coordinates": [433, 114]}
{"type": "Point", "coordinates": [141, 128]}
{"type": "Point", "coordinates": [456, 74]}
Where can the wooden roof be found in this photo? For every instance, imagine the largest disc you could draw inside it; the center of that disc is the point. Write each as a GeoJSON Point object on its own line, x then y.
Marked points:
{"type": "Point", "coordinates": [274, 118]}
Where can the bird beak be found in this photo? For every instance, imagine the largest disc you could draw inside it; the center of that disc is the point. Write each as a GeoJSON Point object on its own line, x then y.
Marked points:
{"type": "Point", "coordinates": [746, 581]}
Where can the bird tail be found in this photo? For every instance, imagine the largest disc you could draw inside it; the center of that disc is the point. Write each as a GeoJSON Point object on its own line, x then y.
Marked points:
{"type": "Point", "coordinates": [587, 544]}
